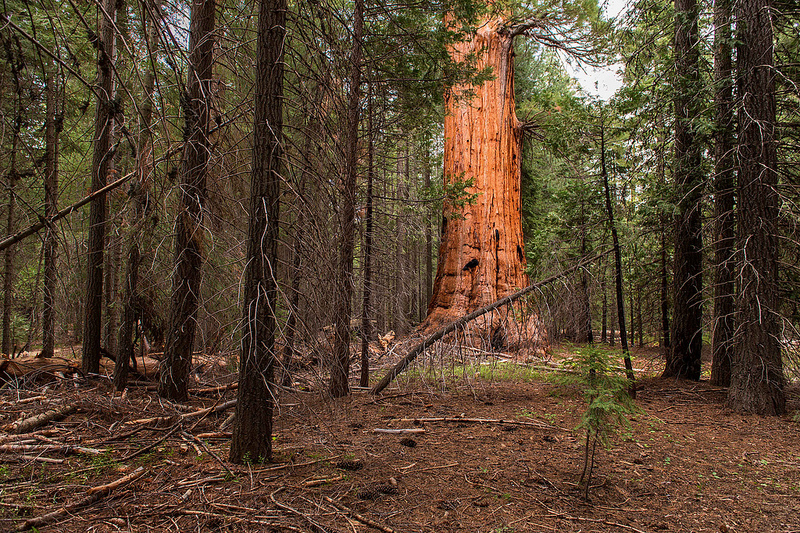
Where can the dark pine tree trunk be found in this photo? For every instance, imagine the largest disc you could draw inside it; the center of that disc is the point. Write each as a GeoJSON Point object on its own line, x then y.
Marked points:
{"type": "Point", "coordinates": [340, 366]}
{"type": "Point", "coordinates": [8, 273]}
{"type": "Point", "coordinates": [665, 342]}
{"type": "Point", "coordinates": [757, 380]}
{"type": "Point", "coordinates": [252, 431]}
{"type": "Point", "coordinates": [604, 315]}
{"type": "Point", "coordinates": [52, 130]}
{"type": "Point", "coordinates": [131, 311]}
{"type": "Point", "coordinates": [725, 236]}
{"type": "Point", "coordinates": [174, 375]}
{"type": "Point", "coordinates": [683, 359]}
{"type": "Point", "coordinates": [101, 163]}
{"type": "Point", "coordinates": [366, 324]}
{"type": "Point", "coordinates": [623, 337]}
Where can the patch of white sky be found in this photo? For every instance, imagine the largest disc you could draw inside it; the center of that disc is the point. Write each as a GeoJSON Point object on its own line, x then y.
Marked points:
{"type": "Point", "coordinates": [601, 82]}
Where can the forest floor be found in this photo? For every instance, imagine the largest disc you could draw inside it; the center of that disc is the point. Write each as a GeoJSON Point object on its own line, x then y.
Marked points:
{"type": "Point", "coordinates": [687, 464]}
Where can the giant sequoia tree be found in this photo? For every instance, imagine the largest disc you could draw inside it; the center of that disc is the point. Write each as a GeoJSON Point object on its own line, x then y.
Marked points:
{"type": "Point", "coordinates": [481, 258]}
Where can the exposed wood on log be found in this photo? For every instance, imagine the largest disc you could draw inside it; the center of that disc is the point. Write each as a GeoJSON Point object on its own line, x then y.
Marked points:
{"type": "Point", "coordinates": [61, 448]}
{"type": "Point", "coordinates": [402, 431]}
{"type": "Point", "coordinates": [13, 369]}
{"type": "Point", "coordinates": [461, 322]}
{"type": "Point", "coordinates": [27, 425]}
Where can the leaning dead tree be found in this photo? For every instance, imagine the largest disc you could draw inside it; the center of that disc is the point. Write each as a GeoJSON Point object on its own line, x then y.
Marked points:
{"type": "Point", "coordinates": [464, 320]}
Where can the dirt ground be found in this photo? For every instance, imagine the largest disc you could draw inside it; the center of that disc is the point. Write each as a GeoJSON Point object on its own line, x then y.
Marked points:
{"type": "Point", "coordinates": [502, 457]}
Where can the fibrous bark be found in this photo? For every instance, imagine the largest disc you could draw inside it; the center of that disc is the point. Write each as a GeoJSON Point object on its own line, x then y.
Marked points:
{"type": "Point", "coordinates": [173, 383]}
{"type": "Point", "coordinates": [340, 366]}
{"type": "Point", "coordinates": [481, 256]}
{"type": "Point", "coordinates": [252, 431]}
{"type": "Point", "coordinates": [757, 379]}
{"type": "Point", "coordinates": [101, 163]}
{"type": "Point", "coordinates": [683, 359]}
{"type": "Point", "coordinates": [724, 192]}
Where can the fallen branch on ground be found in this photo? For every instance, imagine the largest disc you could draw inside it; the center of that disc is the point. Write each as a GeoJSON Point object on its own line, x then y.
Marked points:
{"type": "Point", "coordinates": [201, 412]}
{"type": "Point", "coordinates": [93, 495]}
{"type": "Point", "coordinates": [48, 448]}
{"type": "Point", "coordinates": [26, 425]}
{"type": "Point", "coordinates": [402, 431]}
{"type": "Point", "coordinates": [537, 424]}
{"type": "Point", "coordinates": [453, 326]}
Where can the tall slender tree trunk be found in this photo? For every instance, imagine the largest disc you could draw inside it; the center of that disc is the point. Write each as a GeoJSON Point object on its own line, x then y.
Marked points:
{"type": "Point", "coordinates": [101, 163]}
{"type": "Point", "coordinates": [585, 304]}
{"type": "Point", "coordinates": [8, 273]}
{"type": "Point", "coordinates": [52, 131]}
{"type": "Point", "coordinates": [252, 431]}
{"type": "Point", "coordinates": [366, 324]}
{"type": "Point", "coordinates": [340, 368]}
{"type": "Point", "coordinates": [665, 341]}
{"type": "Point", "coordinates": [623, 337]}
{"type": "Point", "coordinates": [426, 176]}
{"type": "Point", "coordinates": [144, 165]}
{"type": "Point", "coordinates": [724, 192]}
{"type": "Point", "coordinates": [174, 375]}
{"type": "Point", "coordinates": [757, 380]}
{"type": "Point", "coordinates": [604, 316]}
{"type": "Point", "coordinates": [12, 177]}
{"type": "Point", "coordinates": [683, 360]}
{"type": "Point", "coordinates": [481, 255]}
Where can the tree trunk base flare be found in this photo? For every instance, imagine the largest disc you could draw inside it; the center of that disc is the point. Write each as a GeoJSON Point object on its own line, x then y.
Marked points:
{"type": "Point", "coordinates": [481, 258]}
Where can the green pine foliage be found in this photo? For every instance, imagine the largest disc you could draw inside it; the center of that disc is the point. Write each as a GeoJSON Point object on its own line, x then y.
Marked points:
{"type": "Point", "coordinates": [608, 403]}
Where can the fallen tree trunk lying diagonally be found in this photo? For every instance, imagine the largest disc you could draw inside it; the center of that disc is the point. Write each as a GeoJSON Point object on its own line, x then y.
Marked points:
{"type": "Point", "coordinates": [453, 326]}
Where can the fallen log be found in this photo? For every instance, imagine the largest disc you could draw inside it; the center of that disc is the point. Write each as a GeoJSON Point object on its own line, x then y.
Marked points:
{"type": "Point", "coordinates": [27, 425]}
{"type": "Point", "coordinates": [453, 326]}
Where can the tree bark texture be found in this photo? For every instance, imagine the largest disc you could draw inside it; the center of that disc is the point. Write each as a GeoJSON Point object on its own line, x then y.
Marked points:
{"type": "Point", "coordinates": [52, 130]}
{"type": "Point", "coordinates": [252, 432]}
{"type": "Point", "coordinates": [683, 359]}
{"type": "Point", "coordinates": [481, 255]}
{"type": "Point", "coordinates": [724, 193]}
{"type": "Point", "coordinates": [131, 311]}
{"type": "Point", "coordinates": [8, 272]}
{"type": "Point", "coordinates": [366, 324]}
{"type": "Point", "coordinates": [101, 163]}
{"type": "Point", "coordinates": [757, 379]}
{"type": "Point", "coordinates": [187, 276]}
{"type": "Point", "coordinates": [12, 177]}
{"type": "Point", "coordinates": [340, 366]}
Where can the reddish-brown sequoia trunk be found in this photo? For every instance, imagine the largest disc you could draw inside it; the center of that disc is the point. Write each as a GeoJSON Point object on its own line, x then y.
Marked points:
{"type": "Point", "coordinates": [481, 258]}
